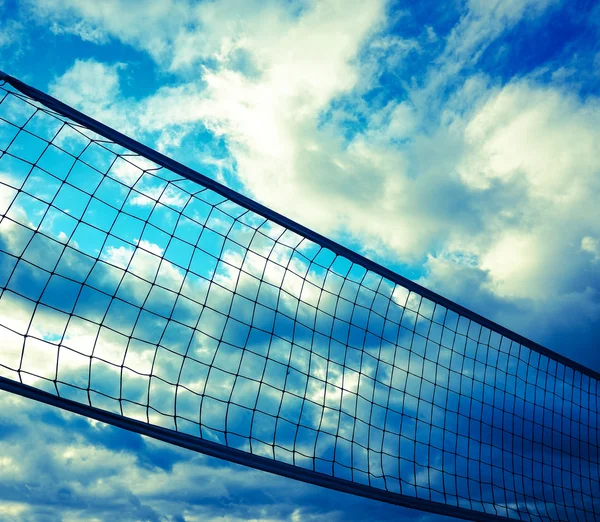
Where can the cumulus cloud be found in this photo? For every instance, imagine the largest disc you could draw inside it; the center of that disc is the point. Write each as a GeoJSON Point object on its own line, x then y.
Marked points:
{"type": "Point", "coordinates": [592, 246]}
{"type": "Point", "coordinates": [94, 88]}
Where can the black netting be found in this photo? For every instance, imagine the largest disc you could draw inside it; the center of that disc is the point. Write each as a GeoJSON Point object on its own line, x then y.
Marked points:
{"type": "Point", "coordinates": [127, 287]}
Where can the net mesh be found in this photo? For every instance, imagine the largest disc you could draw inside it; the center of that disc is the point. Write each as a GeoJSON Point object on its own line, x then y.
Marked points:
{"type": "Point", "coordinates": [127, 287]}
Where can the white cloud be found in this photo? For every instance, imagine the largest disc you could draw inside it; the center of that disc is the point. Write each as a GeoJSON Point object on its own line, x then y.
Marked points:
{"type": "Point", "coordinates": [93, 87]}
{"type": "Point", "coordinates": [9, 33]}
{"type": "Point", "coordinates": [591, 245]}
{"type": "Point", "coordinates": [544, 135]}
{"type": "Point", "coordinates": [483, 22]}
{"type": "Point", "coordinates": [82, 29]}
{"type": "Point", "coordinates": [128, 22]}
{"type": "Point", "coordinates": [171, 196]}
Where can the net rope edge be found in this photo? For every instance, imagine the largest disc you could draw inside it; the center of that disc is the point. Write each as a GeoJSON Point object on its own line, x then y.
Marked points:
{"type": "Point", "coordinates": [236, 456]}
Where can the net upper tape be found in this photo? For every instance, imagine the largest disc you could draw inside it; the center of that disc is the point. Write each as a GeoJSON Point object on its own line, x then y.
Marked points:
{"type": "Point", "coordinates": [127, 287]}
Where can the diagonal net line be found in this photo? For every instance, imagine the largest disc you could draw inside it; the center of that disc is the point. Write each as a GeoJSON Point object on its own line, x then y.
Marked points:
{"type": "Point", "coordinates": [174, 307]}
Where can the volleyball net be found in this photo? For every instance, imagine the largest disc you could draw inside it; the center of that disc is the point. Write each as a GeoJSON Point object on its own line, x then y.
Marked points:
{"type": "Point", "coordinates": [136, 291]}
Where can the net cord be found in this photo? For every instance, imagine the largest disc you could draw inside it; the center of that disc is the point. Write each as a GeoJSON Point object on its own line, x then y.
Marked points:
{"type": "Point", "coordinates": [236, 456]}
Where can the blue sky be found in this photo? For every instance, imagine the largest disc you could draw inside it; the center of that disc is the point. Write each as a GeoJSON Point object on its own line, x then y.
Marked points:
{"type": "Point", "coordinates": [454, 142]}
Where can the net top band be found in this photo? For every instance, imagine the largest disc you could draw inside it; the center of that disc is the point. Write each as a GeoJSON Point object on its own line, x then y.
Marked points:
{"type": "Point", "coordinates": [338, 249]}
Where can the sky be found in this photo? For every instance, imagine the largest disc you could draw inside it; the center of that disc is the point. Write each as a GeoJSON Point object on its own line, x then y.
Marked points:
{"type": "Point", "coordinates": [452, 142]}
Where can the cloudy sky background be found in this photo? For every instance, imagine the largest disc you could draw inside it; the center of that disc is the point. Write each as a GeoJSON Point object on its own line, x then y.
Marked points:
{"type": "Point", "coordinates": [455, 143]}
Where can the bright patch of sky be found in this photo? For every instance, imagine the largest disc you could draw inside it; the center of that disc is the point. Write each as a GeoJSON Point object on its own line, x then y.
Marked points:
{"type": "Point", "coordinates": [455, 142]}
